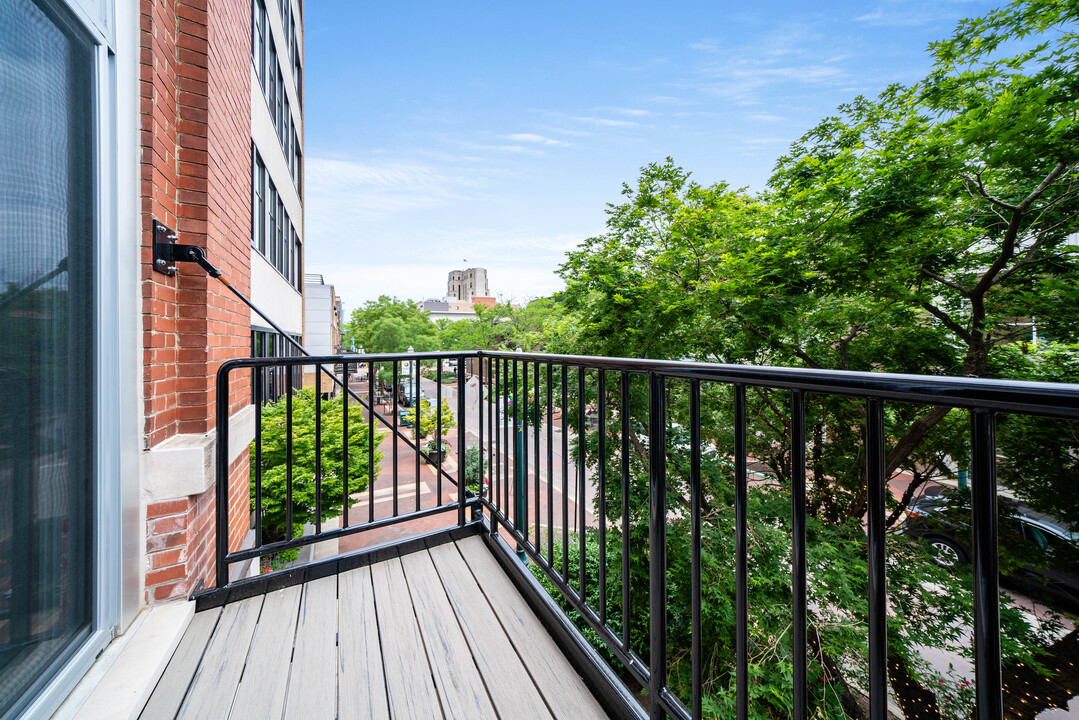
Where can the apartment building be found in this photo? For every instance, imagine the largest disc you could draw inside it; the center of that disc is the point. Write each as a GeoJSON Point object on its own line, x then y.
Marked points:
{"type": "Point", "coordinates": [276, 176]}
{"type": "Point", "coordinates": [467, 284]}
{"type": "Point", "coordinates": [130, 127]}
{"type": "Point", "coordinates": [322, 324]}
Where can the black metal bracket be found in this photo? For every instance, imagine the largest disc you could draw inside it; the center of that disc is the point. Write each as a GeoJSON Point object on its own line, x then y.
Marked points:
{"type": "Point", "coordinates": [168, 252]}
{"type": "Point", "coordinates": [164, 245]}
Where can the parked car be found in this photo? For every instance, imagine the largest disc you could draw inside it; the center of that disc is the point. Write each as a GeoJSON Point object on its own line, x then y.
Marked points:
{"type": "Point", "coordinates": [1039, 553]}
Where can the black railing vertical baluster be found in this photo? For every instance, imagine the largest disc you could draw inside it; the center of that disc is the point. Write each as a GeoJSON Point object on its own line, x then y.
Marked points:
{"type": "Point", "coordinates": [550, 465]}
{"type": "Point", "coordinates": [741, 551]}
{"type": "Point", "coordinates": [417, 422]}
{"type": "Point", "coordinates": [878, 626]}
{"type": "Point", "coordinates": [258, 457]}
{"type": "Point", "coordinates": [517, 480]}
{"type": "Point", "coordinates": [370, 442]}
{"type": "Point", "coordinates": [494, 396]}
{"type": "Point", "coordinates": [657, 544]}
{"type": "Point", "coordinates": [533, 410]}
{"type": "Point", "coordinates": [507, 476]}
{"type": "Point", "coordinates": [565, 473]}
{"type": "Point", "coordinates": [695, 541]}
{"type": "Point", "coordinates": [798, 555]}
{"type": "Point", "coordinates": [983, 490]}
{"type": "Point", "coordinates": [221, 492]}
{"type": "Point", "coordinates": [318, 449]}
{"type": "Point", "coordinates": [624, 412]}
{"type": "Point", "coordinates": [438, 429]}
{"type": "Point", "coordinates": [492, 429]}
{"type": "Point", "coordinates": [523, 480]}
{"type": "Point", "coordinates": [462, 481]}
{"type": "Point", "coordinates": [344, 442]}
{"type": "Point", "coordinates": [479, 411]}
{"type": "Point", "coordinates": [601, 489]}
{"type": "Point", "coordinates": [394, 399]}
{"type": "Point", "coordinates": [288, 457]}
{"type": "Point", "coordinates": [582, 442]}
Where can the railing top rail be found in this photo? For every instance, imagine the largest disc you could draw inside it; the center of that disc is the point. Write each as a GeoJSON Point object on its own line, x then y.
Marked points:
{"type": "Point", "coordinates": [1016, 396]}
{"type": "Point", "coordinates": [288, 360]}
{"type": "Point", "coordinates": [1030, 398]}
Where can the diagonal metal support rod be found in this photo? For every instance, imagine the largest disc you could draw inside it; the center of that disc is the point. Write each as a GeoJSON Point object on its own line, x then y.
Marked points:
{"type": "Point", "coordinates": [195, 254]}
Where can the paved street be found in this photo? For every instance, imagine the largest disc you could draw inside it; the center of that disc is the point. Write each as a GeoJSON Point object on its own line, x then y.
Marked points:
{"type": "Point", "coordinates": [412, 481]}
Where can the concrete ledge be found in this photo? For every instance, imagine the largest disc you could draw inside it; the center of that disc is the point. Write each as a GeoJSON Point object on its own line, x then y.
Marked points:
{"type": "Point", "coordinates": [121, 680]}
{"type": "Point", "coordinates": [183, 465]}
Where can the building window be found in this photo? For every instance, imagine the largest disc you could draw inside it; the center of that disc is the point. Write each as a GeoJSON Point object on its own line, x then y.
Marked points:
{"type": "Point", "coordinates": [49, 213]}
{"type": "Point", "coordinates": [258, 39]}
{"type": "Point", "coordinates": [258, 204]}
{"type": "Point", "coordinates": [274, 381]}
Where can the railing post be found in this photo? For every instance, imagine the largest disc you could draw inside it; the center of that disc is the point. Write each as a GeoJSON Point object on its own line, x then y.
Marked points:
{"type": "Point", "coordinates": [798, 554]}
{"type": "Point", "coordinates": [983, 491]}
{"type": "Point", "coordinates": [462, 482]}
{"type": "Point", "coordinates": [878, 626]}
{"type": "Point", "coordinates": [657, 541]}
{"type": "Point", "coordinates": [222, 492]}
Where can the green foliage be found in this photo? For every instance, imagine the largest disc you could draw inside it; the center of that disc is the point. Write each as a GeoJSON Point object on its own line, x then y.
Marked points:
{"type": "Point", "coordinates": [1041, 456]}
{"type": "Point", "coordinates": [475, 467]}
{"type": "Point", "coordinates": [918, 232]}
{"type": "Point", "coordinates": [305, 461]}
{"type": "Point", "coordinates": [389, 325]}
{"type": "Point", "coordinates": [503, 327]}
{"type": "Point", "coordinates": [429, 418]}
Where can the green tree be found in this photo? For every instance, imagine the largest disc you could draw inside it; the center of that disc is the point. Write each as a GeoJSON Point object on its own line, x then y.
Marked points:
{"type": "Point", "coordinates": [307, 459]}
{"type": "Point", "coordinates": [389, 325]}
{"type": "Point", "coordinates": [917, 232]}
{"type": "Point", "coordinates": [503, 327]}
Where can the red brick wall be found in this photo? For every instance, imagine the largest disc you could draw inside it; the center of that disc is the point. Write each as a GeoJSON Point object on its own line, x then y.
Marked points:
{"type": "Point", "coordinates": [195, 171]}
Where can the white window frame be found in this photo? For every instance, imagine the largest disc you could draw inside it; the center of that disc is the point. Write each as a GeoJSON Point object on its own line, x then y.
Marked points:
{"type": "Point", "coordinates": [118, 537]}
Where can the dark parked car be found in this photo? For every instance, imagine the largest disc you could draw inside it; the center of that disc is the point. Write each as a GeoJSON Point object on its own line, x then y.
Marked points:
{"type": "Point", "coordinates": [1039, 554]}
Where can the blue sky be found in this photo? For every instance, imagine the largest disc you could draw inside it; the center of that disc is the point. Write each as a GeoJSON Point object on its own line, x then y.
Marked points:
{"type": "Point", "coordinates": [445, 135]}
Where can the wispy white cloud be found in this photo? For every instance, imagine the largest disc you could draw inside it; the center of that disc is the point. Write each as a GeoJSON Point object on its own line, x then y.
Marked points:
{"type": "Point", "coordinates": [767, 141]}
{"type": "Point", "coordinates": [765, 117]}
{"type": "Point", "coordinates": [628, 111]}
{"type": "Point", "coordinates": [607, 122]}
{"type": "Point", "coordinates": [531, 138]}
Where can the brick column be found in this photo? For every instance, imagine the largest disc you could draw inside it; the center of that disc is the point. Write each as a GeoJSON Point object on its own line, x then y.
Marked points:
{"type": "Point", "coordinates": [195, 170]}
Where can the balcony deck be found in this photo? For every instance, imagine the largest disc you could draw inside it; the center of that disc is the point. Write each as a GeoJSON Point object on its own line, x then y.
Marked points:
{"type": "Point", "coordinates": [440, 632]}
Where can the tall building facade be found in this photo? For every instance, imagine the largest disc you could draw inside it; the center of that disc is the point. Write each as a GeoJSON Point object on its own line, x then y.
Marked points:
{"type": "Point", "coordinates": [183, 116]}
{"type": "Point", "coordinates": [467, 284]}
{"type": "Point", "coordinates": [276, 175]}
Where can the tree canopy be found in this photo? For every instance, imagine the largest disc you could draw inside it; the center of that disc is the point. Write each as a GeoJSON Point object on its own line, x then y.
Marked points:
{"type": "Point", "coordinates": [922, 231]}
{"type": "Point", "coordinates": [389, 325]}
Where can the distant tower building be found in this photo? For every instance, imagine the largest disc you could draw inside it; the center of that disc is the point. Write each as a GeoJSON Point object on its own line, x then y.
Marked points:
{"type": "Point", "coordinates": [467, 284]}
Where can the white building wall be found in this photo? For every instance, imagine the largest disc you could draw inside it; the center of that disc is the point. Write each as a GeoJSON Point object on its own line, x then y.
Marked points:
{"type": "Point", "coordinates": [274, 296]}
{"type": "Point", "coordinates": [318, 319]}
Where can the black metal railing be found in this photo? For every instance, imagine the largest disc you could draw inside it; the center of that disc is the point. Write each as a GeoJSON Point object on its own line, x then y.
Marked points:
{"type": "Point", "coordinates": [546, 426]}
{"type": "Point", "coordinates": [328, 376]}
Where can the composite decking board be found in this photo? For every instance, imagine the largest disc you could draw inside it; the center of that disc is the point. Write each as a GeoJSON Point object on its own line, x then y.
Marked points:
{"type": "Point", "coordinates": [312, 685]}
{"type": "Point", "coordinates": [457, 678]}
{"type": "Point", "coordinates": [410, 687]}
{"type": "Point", "coordinates": [561, 686]}
{"type": "Point", "coordinates": [215, 681]}
{"type": "Point", "coordinates": [172, 687]}
{"type": "Point", "coordinates": [261, 693]}
{"type": "Point", "coordinates": [361, 684]}
{"type": "Point", "coordinates": [510, 686]}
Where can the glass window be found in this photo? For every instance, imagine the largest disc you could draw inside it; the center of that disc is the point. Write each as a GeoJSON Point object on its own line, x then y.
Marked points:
{"type": "Point", "coordinates": [48, 268]}
{"type": "Point", "coordinates": [271, 206]}
{"type": "Point", "coordinates": [258, 39]}
{"type": "Point", "coordinates": [271, 79]}
{"type": "Point", "coordinates": [258, 206]}
{"type": "Point", "coordinates": [280, 244]}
